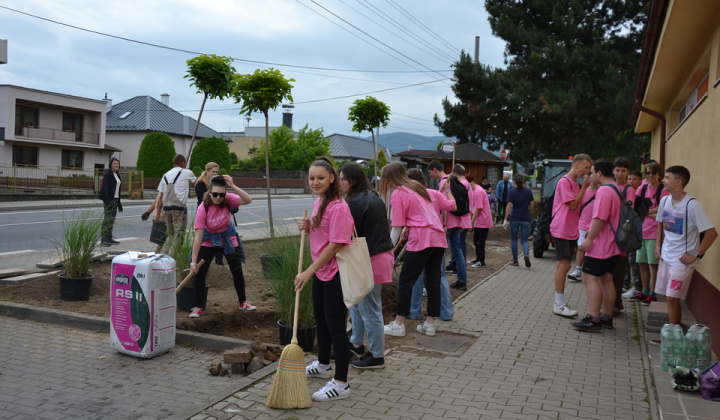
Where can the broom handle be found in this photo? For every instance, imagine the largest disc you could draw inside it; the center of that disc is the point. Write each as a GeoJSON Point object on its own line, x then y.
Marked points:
{"type": "Point", "coordinates": [187, 279]}
{"type": "Point", "coordinates": [300, 266]}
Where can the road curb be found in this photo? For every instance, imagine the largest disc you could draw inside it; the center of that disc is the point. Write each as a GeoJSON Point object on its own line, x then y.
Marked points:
{"type": "Point", "coordinates": [96, 323]}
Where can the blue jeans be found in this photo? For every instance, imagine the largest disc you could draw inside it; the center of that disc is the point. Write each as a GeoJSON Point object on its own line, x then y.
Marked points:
{"type": "Point", "coordinates": [367, 316]}
{"type": "Point", "coordinates": [524, 229]}
{"type": "Point", "coordinates": [458, 247]}
{"type": "Point", "coordinates": [446, 305]}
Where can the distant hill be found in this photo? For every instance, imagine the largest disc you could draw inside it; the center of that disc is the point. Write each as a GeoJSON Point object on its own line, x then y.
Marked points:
{"type": "Point", "coordinates": [400, 142]}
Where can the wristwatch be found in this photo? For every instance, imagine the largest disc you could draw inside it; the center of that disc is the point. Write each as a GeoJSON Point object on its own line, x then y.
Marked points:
{"type": "Point", "coordinates": [695, 254]}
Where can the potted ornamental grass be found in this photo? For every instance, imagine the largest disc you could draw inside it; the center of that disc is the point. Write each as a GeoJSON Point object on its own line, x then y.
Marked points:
{"type": "Point", "coordinates": [281, 277]}
{"type": "Point", "coordinates": [80, 236]}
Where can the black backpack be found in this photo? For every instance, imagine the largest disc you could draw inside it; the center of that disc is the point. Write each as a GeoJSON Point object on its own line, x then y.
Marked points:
{"type": "Point", "coordinates": [460, 193]}
{"type": "Point", "coordinates": [628, 234]}
{"type": "Point", "coordinates": [642, 203]}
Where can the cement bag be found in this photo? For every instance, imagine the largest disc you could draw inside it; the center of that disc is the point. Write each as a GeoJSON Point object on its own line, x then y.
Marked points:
{"type": "Point", "coordinates": [142, 304]}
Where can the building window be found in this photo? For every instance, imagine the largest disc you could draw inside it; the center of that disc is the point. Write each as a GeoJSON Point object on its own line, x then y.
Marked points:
{"type": "Point", "coordinates": [25, 155]}
{"type": "Point", "coordinates": [25, 116]}
{"type": "Point", "coordinates": [73, 123]}
{"type": "Point", "coordinates": [72, 159]}
{"type": "Point", "coordinates": [695, 98]}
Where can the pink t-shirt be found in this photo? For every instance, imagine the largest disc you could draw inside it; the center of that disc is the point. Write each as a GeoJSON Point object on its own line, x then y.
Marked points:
{"type": "Point", "coordinates": [480, 202]}
{"type": "Point", "coordinates": [564, 224]}
{"type": "Point", "coordinates": [607, 208]}
{"type": "Point", "coordinates": [457, 221]}
{"type": "Point", "coordinates": [650, 225]}
{"type": "Point", "coordinates": [586, 210]}
{"type": "Point", "coordinates": [382, 266]}
{"type": "Point", "coordinates": [216, 219]}
{"type": "Point", "coordinates": [422, 218]}
{"type": "Point", "coordinates": [336, 226]}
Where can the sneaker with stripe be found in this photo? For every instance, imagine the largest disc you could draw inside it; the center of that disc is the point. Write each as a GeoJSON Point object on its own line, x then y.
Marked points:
{"type": "Point", "coordinates": [313, 370]}
{"type": "Point", "coordinates": [332, 391]}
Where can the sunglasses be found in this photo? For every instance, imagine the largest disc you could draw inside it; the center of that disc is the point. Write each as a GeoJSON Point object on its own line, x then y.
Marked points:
{"type": "Point", "coordinates": [221, 195]}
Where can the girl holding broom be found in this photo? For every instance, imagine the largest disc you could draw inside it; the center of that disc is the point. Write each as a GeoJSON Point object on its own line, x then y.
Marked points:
{"type": "Point", "coordinates": [330, 227]}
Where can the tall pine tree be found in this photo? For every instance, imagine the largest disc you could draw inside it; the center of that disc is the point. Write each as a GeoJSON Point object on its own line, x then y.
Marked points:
{"type": "Point", "coordinates": [568, 85]}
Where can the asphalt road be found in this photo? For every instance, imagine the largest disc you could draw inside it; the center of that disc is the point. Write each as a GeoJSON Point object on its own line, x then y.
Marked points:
{"type": "Point", "coordinates": [34, 230]}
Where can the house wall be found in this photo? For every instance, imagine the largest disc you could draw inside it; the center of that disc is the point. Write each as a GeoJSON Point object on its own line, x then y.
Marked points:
{"type": "Point", "coordinates": [695, 144]}
{"type": "Point", "coordinates": [129, 142]}
{"type": "Point", "coordinates": [51, 107]}
{"type": "Point", "coordinates": [241, 145]}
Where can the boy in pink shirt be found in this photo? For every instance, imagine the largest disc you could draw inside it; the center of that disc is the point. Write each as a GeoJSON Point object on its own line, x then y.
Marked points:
{"type": "Point", "coordinates": [601, 252]}
{"type": "Point", "coordinates": [480, 223]}
{"type": "Point", "coordinates": [621, 169]}
{"type": "Point", "coordinates": [564, 226]}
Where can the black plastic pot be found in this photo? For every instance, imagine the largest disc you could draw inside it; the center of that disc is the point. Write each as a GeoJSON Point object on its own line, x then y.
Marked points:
{"type": "Point", "coordinates": [75, 288]}
{"type": "Point", "coordinates": [305, 336]}
{"type": "Point", "coordinates": [186, 297]}
{"type": "Point", "coordinates": [269, 264]}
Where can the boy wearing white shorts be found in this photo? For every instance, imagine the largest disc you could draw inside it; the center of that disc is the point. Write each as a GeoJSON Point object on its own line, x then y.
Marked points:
{"type": "Point", "coordinates": [679, 246]}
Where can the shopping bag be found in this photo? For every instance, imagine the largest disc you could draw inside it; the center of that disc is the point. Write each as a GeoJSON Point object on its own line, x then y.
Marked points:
{"type": "Point", "coordinates": [356, 276]}
{"type": "Point", "coordinates": [710, 383]}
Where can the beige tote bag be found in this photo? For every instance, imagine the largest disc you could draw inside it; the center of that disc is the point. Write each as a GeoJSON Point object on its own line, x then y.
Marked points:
{"type": "Point", "coordinates": [356, 276]}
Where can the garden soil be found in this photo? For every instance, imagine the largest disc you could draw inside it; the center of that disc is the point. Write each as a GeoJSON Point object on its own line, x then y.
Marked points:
{"type": "Point", "coordinates": [222, 317]}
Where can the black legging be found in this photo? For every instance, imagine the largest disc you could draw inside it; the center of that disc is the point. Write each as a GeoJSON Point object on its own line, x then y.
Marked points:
{"type": "Point", "coordinates": [330, 317]}
{"type": "Point", "coordinates": [479, 238]}
{"type": "Point", "coordinates": [234, 262]}
{"type": "Point", "coordinates": [414, 262]}
{"type": "Point", "coordinates": [109, 214]}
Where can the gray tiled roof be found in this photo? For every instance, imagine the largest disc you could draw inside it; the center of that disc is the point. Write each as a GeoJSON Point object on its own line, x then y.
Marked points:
{"type": "Point", "coordinates": [468, 152]}
{"type": "Point", "coordinates": [148, 114]}
{"type": "Point", "coordinates": [344, 147]}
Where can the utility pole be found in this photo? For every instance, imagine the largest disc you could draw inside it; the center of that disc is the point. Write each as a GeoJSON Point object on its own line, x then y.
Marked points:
{"type": "Point", "coordinates": [477, 49]}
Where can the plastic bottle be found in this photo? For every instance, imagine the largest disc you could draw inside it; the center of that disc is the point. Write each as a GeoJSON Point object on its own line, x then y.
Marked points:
{"type": "Point", "coordinates": [691, 347]}
{"type": "Point", "coordinates": [704, 340]}
{"type": "Point", "coordinates": [666, 345]}
{"type": "Point", "coordinates": [678, 350]}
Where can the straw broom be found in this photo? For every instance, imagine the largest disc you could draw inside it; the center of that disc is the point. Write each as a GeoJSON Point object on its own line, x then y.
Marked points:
{"type": "Point", "coordinates": [289, 388]}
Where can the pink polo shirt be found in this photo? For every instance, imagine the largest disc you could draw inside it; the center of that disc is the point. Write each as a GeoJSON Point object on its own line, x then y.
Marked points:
{"type": "Point", "coordinates": [481, 202]}
{"type": "Point", "coordinates": [607, 208]}
{"type": "Point", "coordinates": [420, 217]}
{"type": "Point", "coordinates": [336, 226]}
{"type": "Point", "coordinates": [453, 221]}
{"type": "Point", "coordinates": [564, 224]}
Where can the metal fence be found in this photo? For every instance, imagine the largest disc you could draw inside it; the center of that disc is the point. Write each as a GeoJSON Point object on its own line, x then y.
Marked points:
{"type": "Point", "coordinates": [59, 180]}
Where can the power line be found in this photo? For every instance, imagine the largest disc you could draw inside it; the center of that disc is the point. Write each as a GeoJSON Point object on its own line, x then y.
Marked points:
{"type": "Point", "coordinates": [267, 63]}
{"type": "Point", "coordinates": [404, 29]}
{"type": "Point", "coordinates": [422, 25]}
{"type": "Point", "coordinates": [375, 39]}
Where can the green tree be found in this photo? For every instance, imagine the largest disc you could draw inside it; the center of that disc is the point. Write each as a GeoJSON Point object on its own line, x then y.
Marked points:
{"type": "Point", "coordinates": [568, 84]}
{"type": "Point", "coordinates": [211, 149]}
{"type": "Point", "coordinates": [367, 115]}
{"type": "Point", "coordinates": [260, 92]}
{"type": "Point", "coordinates": [212, 76]}
{"type": "Point", "coordinates": [309, 144]}
{"type": "Point", "coordinates": [233, 158]}
{"type": "Point", "coordinates": [156, 154]}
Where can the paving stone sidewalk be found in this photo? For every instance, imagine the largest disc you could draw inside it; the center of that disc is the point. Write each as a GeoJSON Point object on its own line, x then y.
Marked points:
{"type": "Point", "coordinates": [523, 363]}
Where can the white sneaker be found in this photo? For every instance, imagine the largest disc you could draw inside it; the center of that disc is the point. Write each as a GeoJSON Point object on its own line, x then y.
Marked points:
{"type": "Point", "coordinates": [564, 310]}
{"type": "Point", "coordinates": [332, 391]}
{"type": "Point", "coordinates": [395, 329]}
{"type": "Point", "coordinates": [575, 275]}
{"type": "Point", "coordinates": [630, 293]}
{"type": "Point", "coordinates": [427, 329]}
{"type": "Point", "coordinates": [313, 370]}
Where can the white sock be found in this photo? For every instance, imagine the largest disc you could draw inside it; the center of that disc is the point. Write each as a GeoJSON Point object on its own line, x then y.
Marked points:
{"type": "Point", "coordinates": [324, 367]}
{"type": "Point", "coordinates": [578, 268]}
{"type": "Point", "coordinates": [559, 299]}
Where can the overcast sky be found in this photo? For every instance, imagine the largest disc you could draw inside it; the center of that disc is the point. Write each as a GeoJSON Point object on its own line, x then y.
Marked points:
{"type": "Point", "coordinates": [404, 45]}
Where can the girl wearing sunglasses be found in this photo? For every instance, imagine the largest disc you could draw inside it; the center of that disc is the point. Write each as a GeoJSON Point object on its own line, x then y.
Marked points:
{"type": "Point", "coordinates": [215, 234]}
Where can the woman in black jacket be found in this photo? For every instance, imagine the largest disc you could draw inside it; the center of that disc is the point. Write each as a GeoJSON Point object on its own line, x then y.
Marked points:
{"type": "Point", "coordinates": [110, 196]}
{"type": "Point", "coordinates": [370, 216]}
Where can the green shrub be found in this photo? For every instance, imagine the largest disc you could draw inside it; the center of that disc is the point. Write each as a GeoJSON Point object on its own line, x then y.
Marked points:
{"type": "Point", "coordinates": [210, 149]}
{"type": "Point", "coordinates": [156, 155]}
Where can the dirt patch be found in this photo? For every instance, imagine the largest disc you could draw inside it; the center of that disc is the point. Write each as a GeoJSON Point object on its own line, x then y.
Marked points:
{"type": "Point", "coordinates": [222, 316]}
